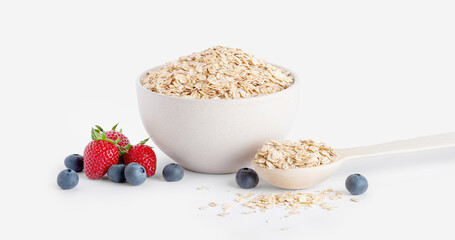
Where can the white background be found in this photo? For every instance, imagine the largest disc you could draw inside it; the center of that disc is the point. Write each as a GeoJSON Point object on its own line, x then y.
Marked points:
{"type": "Point", "coordinates": [372, 71]}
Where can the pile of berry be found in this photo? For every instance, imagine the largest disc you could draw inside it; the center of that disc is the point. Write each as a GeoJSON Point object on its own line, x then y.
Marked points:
{"type": "Point", "coordinates": [110, 152]}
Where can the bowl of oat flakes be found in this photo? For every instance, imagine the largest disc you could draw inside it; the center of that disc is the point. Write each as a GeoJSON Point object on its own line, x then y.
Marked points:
{"type": "Point", "coordinates": [210, 111]}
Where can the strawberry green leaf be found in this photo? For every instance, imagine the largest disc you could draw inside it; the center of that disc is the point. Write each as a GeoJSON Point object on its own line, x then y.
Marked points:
{"type": "Point", "coordinates": [93, 134]}
{"type": "Point", "coordinates": [114, 127]}
{"type": "Point", "coordinates": [99, 128]}
{"type": "Point", "coordinates": [123, 151]}
{"type": "Point", "coordinates": [97, 134]}
{"type": "Point", "coordinates": [109, 140]}
{"type": "Point", "coordinates": [143, 141]}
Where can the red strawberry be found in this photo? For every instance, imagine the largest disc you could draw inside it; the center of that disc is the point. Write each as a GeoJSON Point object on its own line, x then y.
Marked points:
{"type": "Point", "coordinates": [143, 155]}
{"type": "Point", "coordinates": [114, 135]}
{"type": "Point", "coordinates": [99, 155]}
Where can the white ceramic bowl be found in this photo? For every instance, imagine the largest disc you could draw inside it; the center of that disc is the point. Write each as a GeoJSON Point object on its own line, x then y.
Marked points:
{"type": "Point", "coordinates": [215, 135]}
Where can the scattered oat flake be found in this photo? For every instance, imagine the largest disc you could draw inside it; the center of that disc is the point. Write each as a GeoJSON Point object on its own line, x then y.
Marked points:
{"type": "Point", "coordinates": [202, 188]}
{"type": "Point", "coordinates": [226, 206]}
{"type": "Point", "coordinates": [285, 229]}
{"type": "Point", "coordinates": [203, 208]}
{"type": "Point", "coordinates": [292, 201]}
{"type": "Point", "coordinates": [287, 200]}
{"type": "Point", "coordinates": [224, 214]}
{"type": "Point", "coordinates": [326, 206]}
{"type": "Point", "coordinates": [355, 200]}
{"type": "Point", "coordinates": [334, 197]}
{"type": "Point", "coordinates": [291, 213]}
{"type": "Point", "coordinates": [239, 199]}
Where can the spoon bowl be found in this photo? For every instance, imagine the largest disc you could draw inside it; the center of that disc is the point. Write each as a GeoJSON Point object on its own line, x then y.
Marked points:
{"type": "Point", "coordinates": [299, 178]}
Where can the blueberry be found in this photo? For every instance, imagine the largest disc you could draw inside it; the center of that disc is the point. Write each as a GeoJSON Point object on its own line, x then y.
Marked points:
{"type": "Point", "coordinates": [67, 179]}
{"type": "Point", "coordinates": [172, 172]}
{"type": "Point", "coordinates": [356, 184]}
{"type": "Point", "coordinates": [247, 178]}
{"type": "Point", "coordinates": [116, 173]}
{"type": "Point", "coordinates": [75, 162]}
{"type": "Point", "coordinates": [135, 174]}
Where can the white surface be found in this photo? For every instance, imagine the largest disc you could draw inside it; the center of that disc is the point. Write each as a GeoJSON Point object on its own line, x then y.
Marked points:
{"type": "Point", "coordinates": [371, 73]}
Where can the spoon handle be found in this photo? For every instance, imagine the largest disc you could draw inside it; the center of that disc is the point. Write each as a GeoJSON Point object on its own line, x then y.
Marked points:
{"type": "Point", "coordinates": [403, 146]}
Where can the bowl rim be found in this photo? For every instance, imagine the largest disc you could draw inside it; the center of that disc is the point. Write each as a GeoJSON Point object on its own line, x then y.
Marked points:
{"type": "Point", "coordinates": [284, 91]}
